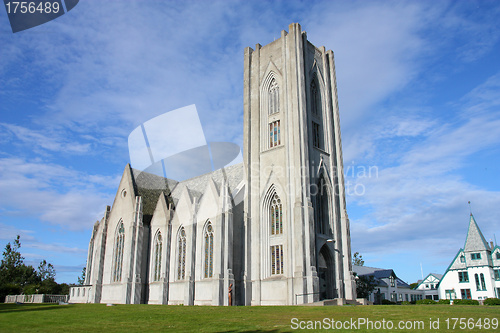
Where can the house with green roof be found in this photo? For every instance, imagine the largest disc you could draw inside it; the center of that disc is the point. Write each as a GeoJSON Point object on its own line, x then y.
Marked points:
{"type": "Point", "coordinates": [474, 273]}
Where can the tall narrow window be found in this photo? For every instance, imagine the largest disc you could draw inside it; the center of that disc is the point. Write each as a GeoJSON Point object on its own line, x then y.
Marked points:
{"type": "Point", "coordinates": [276, 215]}
{"type": "Point", "coordinates": [316, 134]}
{"type": "Point", "coordinates": [321, 208]}
{"type": "Point", "coordinates": [274, 97]}
{"type": "Point", "coordinates": [158, 245]}
{"type": "Point", "coordinates": [209, 250]}
{"type": "Point", "coordinates": [118, 258]}
{"type": "Point", "coordinates": [483, 284]}
{"type": "Point", "coordinates": [315, 99]}
{"type": "Point", "coordinates": [181, 259]}
{"type": "Point", "coordinates": [478, 286]}
{"type": "Point", "coordinates": [276, 259]}
{"type": "Point", "coordinates": [274, 134]}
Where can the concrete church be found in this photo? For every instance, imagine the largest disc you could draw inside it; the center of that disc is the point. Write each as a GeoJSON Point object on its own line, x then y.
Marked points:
{"type": "Point", "coordinates": [272, 230]}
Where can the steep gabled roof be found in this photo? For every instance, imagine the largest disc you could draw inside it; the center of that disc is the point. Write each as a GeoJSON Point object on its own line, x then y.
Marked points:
{"type": "Point", "coordinates": [475, 240]}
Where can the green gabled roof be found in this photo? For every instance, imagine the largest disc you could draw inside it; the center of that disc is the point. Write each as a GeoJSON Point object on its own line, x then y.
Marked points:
{"type": "Point", "coordinates": [475, 240]}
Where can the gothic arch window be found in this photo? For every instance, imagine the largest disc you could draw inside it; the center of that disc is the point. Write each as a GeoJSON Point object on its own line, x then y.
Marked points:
{"type": "Point", "coordinates": [316, 110]}
{"type": "Point", "coordinates": [273, 208]}
{"type": "Point", "coordinates": [276, 215]}
{"type": "Point", "coordinates": [157, 251]}
{"type": "Point", "coordinates": [118, 257]}
{"type": "Point", "coordinates": [209, 250]}
{"type": "Point", "coordinates": [181, 258]}
{"type": "Point", "coordinates": [322, 207]}
{"type": "Point", "coordinates": [274, 97]}
{"type": "Point", "coordinates": [478, 286]}
{"type": "Point", "coordinates": [271, 104]}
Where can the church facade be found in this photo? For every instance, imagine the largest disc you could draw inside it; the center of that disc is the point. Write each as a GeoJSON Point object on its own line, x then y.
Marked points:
{"type": "Point", "coordinates": [272, 230]}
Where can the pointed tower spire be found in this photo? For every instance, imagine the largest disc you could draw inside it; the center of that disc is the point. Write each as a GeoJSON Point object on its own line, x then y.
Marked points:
{"type": "Point", "coordinates": [475, 240]}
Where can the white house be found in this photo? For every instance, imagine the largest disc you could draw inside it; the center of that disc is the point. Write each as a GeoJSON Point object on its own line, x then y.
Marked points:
{"type": "Point", "coordinates": [429, 286]}
{"type": "Point", "coordinates": [388, 285]}
{"type": "Point", "coordinates": [474, 273]}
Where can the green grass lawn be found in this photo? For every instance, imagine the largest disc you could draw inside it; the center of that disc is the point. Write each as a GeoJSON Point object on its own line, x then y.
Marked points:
{"type": "Point", "coordinates": [151, 318]}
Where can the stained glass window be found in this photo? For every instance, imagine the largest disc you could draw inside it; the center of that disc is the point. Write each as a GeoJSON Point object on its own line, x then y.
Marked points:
{"type": "Point", "coordinates": [158, 244]}
{"type": "Point", "coordinates": [181, 260]}
{"type": "Point", "coordinates": [209, 250]}
{"type": "Point", "coordinates": [274, 134]}
{"type": "Point", "coordinates": [316, 134]}
{"type": "Point", "coordinates": [118, 258]}
{"type": "Point", "coordinates": [276, 214]}
{"type": "Point", "coordinates": [274, 95]}
{"type": "Point", "coordinates": [276, 259]}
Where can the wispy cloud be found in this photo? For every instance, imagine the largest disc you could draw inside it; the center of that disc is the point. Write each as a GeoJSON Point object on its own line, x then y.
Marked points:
{"type": "Point", "coordinates": [53, 193]}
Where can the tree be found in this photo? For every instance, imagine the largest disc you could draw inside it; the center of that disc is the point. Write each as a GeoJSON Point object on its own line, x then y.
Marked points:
{"type": "Point", "coordinates": [46, 271]}
{"type": "Point", "coordinates": [414, 285]}
{"type": "Point", "coordinates": [365, 285]}
{"type": "Point", "coordinates": [357, 259]}
{"type": "Point", "coordinates": [17, 277]}
{"type": "Point", "coordinates": [81, 278]}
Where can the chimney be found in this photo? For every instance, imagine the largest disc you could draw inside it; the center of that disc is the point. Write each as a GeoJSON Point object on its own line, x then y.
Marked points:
{"type": "Point", "coordinates": [491, 244]}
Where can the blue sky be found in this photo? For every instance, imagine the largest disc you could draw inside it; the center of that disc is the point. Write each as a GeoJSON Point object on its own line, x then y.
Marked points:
{"type": "Point", "coordinates": [419, 93]}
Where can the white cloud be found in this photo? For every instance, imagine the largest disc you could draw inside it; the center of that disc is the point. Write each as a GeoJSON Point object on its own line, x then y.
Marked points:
{"type": "Point", "coordinates": [53, 193]}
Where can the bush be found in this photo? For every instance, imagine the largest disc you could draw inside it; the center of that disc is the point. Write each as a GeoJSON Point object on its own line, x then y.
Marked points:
{"type": "Point", "coordinates": [491, 301]}
{"type": "Point", "coordinates": [426, 301]}
{"type": "Point", "coordinates": [465, 302]}
{"type": "Point", "coordinates": [387, 302]}
{"type": "Point", "coordinates": [406, 303]}
{"type": "Point", "coordinates": [444, 301]}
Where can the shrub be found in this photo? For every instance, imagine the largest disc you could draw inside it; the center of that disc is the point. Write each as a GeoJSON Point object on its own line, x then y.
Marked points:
{"type": "Point", "coordinates": [387, 302]}
{"type": "Point", "coordinates": [426, 301]}
{"type": "Point", "coordinates": [444, 301]}
{"type": "Point", "coordinates": [465, 302]}
{"type": "Point", "coordinates": [491, 301]}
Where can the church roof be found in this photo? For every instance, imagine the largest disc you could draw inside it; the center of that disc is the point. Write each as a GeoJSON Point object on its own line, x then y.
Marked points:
{"type": "Point", "coordinates": [150, 186]}
{"type": "Point", "coordinates": [475, 240]}
{"type": "Point", "coordinates": [232, 175]}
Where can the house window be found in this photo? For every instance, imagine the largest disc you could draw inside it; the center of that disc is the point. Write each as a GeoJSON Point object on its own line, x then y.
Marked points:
{"type": "Point", "coordinates": [463, 277]}
{"type": "Point", "coordinates": [483, 283]}
{"type": "Point", "coordinates": [427, 286]}
{"type": "Point", "coordinates": [158, 245]}
{"type": "Point", "coordinates": [465, 293]}
{"type": "Point", "coordinates": [393, 283]}
{"type": "Point", "coordinates": [316, 134]}
{"type": "Point", "coordinates": [274, 97]}
{"type": "Point", "coordinates": [181, 259]}
{"type": "Point", "coordinates": [209, 250]}
{"type": "Point", "coordinates": [276, 259]}
{"type": "Point", "coordinates": [498, 255]}
{"type": "Point", "coordinates": [450, 294]}
{"type": "Point", "coordinates": [118, 257]}
{"type": "Point", "coordinates": [475, 256]}
{"type": "Point", "coordinates": [462, 258]}
{"type": "Point", "coordinates": [276, 214]}
{"type": "Point", "coordinates": [274, 134]}
{"type": "Point", "coordinates": [478, 286]}
{"type": "Point", "coordinates": [497, 274]}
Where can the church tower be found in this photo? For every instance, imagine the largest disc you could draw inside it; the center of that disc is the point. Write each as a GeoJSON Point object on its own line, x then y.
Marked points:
{"type": "Point", "coordinates": [297, 238]}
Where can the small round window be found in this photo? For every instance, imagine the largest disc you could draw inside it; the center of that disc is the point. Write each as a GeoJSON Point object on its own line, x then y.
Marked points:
{"type": "Point", "coordinates": [124, 193]}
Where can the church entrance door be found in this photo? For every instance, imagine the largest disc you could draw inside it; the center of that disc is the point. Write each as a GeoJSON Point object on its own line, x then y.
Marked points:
{"type": "Point", "coordinates": [325, 274]}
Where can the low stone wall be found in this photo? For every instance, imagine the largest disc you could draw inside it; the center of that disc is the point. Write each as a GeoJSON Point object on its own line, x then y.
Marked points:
{"type": "Point", "coordinates": [36, 298]}
{"type": "Point", "coordinates": [80, 294]}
